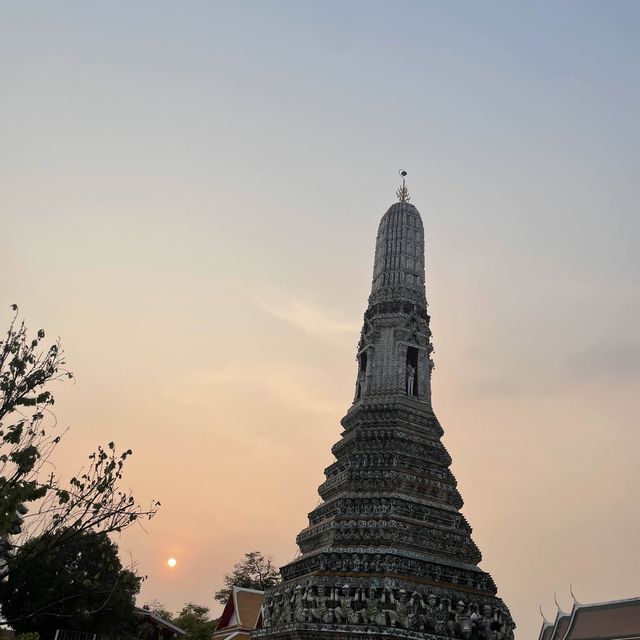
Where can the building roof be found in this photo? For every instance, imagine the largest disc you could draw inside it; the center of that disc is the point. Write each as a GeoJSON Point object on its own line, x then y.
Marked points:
{"type": "Point", "coordinates": [615, 620]}
{"type": "Point", "coordinates": [560, 627]}
{"type": "Point", "coordinates": [240, 614]}
{"type": "Point", "coordinates": [149, 615]}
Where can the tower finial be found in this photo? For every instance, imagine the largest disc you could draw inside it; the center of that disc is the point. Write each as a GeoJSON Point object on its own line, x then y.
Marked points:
{"type": "Point", "coordinates": [403, 192]}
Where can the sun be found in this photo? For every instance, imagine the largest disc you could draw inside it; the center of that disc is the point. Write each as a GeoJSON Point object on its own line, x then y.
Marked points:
{"type": "Point", "coordinates": [172, 562]}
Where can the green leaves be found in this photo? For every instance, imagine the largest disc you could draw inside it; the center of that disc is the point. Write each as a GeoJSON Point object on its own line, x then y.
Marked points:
{"type": "Point", "coordinates": [25, 459]}
{"type": "Point", "coordinates": [72, 576]}
{"type": "Point", "coordinates": [92, 502]}
{"type": "Point", "coordinates": [254, 572]}
{"type": "Point", "coordinates": [14, 433]}
{"type": "Point", "coordinates": [195, 620]}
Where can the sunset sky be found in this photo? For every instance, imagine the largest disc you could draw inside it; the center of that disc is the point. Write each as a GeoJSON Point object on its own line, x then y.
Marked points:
{"type": "Point", "coordinates": [189, 196]}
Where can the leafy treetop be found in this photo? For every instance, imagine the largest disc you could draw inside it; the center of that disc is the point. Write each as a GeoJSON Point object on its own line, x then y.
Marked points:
{"type": "Point", "coordinates": [80, 586]}
{"type": "Point", "coordinates": [91, 504]}
{"type": "Point", "coordinates": [254, 572]}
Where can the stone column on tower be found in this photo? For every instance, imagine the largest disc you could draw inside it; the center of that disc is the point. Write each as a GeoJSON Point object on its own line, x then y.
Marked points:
{"type": "Point", "coordinates": [387, 552]}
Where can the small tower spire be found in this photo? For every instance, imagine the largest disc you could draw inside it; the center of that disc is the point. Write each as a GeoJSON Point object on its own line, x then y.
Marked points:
{"type": "Point", "coordinates": [403, 192]}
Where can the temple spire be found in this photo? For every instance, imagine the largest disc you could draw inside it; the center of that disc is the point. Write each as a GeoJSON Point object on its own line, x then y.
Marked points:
{"type": "Point", "coordinates": [403, 193]}
{"type": "Point", "coordinates": [387, 553]}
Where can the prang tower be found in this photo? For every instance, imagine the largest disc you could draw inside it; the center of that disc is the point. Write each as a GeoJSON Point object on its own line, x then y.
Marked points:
{"type": "Point", "coordinates": [387, 552]}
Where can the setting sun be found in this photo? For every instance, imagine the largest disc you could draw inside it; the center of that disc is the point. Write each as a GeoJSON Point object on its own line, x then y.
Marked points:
{"type": "Point", "coordinates": [172, 562]}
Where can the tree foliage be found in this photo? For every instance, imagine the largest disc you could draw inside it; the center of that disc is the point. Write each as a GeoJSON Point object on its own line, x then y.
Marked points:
{"type": "Point", "coordinates": [25, 372]}
{"type": "Point", "coordinates": [79, 585]}
{"type": "Point", "coordinates": [254, 572]}
{"type": "Point", "coordinates": [195, 620]}
{"type": "Point", "coordinates": [159, 609]}
{"type": "Point", "coordinates": [92, 503]}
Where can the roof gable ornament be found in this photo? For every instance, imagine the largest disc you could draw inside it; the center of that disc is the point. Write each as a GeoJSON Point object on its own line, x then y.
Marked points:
{"type": "Point", "coordinates": [403, 193]}
{"type": "Point", "coordinates": [544, 619]}
{"type": "Point", "coordinates": [576, 603]}
{"type": "Point", "coordinates": [560, 611]}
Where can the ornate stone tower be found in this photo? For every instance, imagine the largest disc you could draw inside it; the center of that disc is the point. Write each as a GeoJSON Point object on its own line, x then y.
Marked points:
{"type": "Point", "coordinates": [387, 552]}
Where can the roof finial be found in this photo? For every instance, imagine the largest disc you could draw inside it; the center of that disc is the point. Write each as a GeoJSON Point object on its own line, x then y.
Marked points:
{"type": "Point", "coordinates": [560, 611]}
{"type": "Point", "coordinates": [573, 595]}
{"type": "Point", "coordinates": [403, 192]}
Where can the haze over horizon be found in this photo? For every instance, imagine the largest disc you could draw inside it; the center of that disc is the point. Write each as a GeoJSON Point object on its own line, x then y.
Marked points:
{"type": "Point", "coordinates": [190, 196]}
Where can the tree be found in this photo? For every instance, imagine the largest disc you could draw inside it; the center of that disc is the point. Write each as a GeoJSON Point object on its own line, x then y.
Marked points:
{"type": "Point", "coordinates": [80, 586]}
{"type": "Point", "coordinates": [92, 503]}
{"type": "Point", "coordinates": [25, 371]}
{"type": "Point", "coordinates": [159, 609]}
{"type": "Point", "coordinates": [254, 572]}
{"type": "Point", "coordinates": [195, 620]}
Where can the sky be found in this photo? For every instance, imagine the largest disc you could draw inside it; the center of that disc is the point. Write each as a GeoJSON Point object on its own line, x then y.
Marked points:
{"type": "Point", "coordinates": [189, 196]}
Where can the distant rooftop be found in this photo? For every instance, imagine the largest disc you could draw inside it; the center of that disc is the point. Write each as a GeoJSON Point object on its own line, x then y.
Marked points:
{"type": "Point", "coordinates": [240, 614]}
{"type": "Point", "coordinates": [614, 620]}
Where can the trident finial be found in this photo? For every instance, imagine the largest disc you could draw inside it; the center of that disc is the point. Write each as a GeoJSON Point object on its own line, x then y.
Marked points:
{"type": "Point", "coordinates": [403, 192]}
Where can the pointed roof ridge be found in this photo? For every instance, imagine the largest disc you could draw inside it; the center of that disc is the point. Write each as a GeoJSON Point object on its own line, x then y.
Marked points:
{"type": "Point", "coordinates": [545, 626]}
{"type": "Point", "coordinates": [588, 605]}
{"type": "Point", "coordinates": [578, 607]}
{"type": "Point", "coordinates": [545, 622]}
{"type": "Point", "coordinates": [232, 606]}
{"type": "Point", "coordinates": [560, 611]}
{"type": "Point", "coordinates": [234, 591]}
{"type": "Point", "coordinates": [235, 588]}
{"type": "Point", "coordinates": [561, 617]}
{"type": "Point", "coordinates": [154, 616]}
{"type": "Point", "coordinates": [573, 595]}
{"type": "Point", "coordinates": [227, 612]}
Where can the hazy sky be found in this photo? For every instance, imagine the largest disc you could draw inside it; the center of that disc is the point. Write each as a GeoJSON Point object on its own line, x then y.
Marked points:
{"type": "Point", "coordinates": [190, 193]}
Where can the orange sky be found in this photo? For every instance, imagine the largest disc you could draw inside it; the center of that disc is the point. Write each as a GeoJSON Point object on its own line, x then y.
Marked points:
{"type": "Point", "coordinates": [193, 209]}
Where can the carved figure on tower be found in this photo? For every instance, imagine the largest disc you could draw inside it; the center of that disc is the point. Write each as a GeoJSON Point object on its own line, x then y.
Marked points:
{"type": "Point", "coordinates": [411, 372]}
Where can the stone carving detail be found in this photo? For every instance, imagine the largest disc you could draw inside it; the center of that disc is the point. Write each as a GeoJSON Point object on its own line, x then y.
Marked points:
{"type": "Point", "coordinates": [411, 372]}
{"type": "Point", "coordinates": [368, 335]}
{"type": "Point", "coordinates": [320, 610]}
{"type": "Point", "coordinates": [344, 611]}
{"type": "Point", "coordinates": [387, 605]}
{"type": "Point", "coordinates": [368, 561]}
{"type": "Point", "coordinates": [413, 331]}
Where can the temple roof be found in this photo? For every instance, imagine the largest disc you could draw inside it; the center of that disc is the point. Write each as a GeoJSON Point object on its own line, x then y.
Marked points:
{"type": "Point", "coordinates": [546, 631]}
{"type": "Point", "coordinates": [615, 620]}
{"type": "Point", "coordinates": [560, 627]}
{"type": "Point", "coordinates": [156, 620]}
{"type": "Point", "coordinates": [240, 613]}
